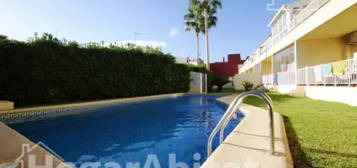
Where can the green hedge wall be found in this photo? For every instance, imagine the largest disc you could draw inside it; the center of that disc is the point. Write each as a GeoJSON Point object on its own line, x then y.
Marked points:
{"type": "Point", "coordinates": [49, 71]}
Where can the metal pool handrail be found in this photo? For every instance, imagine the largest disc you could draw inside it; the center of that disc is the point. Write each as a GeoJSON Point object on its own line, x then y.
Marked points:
{"type": "Point", "coordinates": [221, 135]}
{"type": "Point", "coordinates": [233, 107]}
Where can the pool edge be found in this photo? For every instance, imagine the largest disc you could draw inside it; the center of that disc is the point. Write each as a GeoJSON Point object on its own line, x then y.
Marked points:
{"type": "Point", "coordinates": [13, 150]}
{"type": "Point", "coordinates": [89, 103]}
{"type": "Point", "coordinates": [248, 144]}
{"type": "Point", "coordinates": [12, 140]}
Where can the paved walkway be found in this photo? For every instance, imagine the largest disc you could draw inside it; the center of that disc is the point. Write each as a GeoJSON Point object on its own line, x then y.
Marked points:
{"type": "Point", "coordinates": [249, 143]}
{"type": "Point", "coordinates": [14, 146]}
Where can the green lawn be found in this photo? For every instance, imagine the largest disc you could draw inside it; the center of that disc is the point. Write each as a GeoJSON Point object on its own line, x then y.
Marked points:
{"type": "Point", "coordinates": [320, 133]}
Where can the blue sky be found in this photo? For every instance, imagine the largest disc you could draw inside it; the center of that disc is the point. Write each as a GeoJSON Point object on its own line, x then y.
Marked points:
{"type": "Point", "coordinates": [241, 27]}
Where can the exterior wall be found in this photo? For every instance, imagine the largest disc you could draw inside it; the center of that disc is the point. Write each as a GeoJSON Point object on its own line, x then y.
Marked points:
{"type": "Point", "coordinates": [321, 51]}
{"type": "Point", "coordinates": [351, 51]}
{"type": "Point", "coordinates": [343, 9]}
{"type": "Point", "coordinates": [257, 68]}
{"type": "Point", "coordinates": [266, 68]}
{"type": "Point", "coordinates": [196, 85]}
{"type": "Point", "coordinates": [286, 88]}
{"type": "Point", "coordinates": [337, 94]}
{"type": "Point", "coordinates": [227, 69]}
{"type": "Point", "coordinates": [255, 78]}
{"type": "Point", "coordinates": [249, 71]}
{"type": "Point", "coordinates": [317, 37]}
{"type": "Point", "coordinates": [330, 10]}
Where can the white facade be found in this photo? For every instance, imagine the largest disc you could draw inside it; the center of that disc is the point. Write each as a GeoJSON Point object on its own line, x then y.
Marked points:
{"type": "Point", "coordinates": [307, 37]}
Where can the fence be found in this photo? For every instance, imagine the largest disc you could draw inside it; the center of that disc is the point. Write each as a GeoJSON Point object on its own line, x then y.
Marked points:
{"type": "Point", "coordinates": [268, 79]}
{"type": "Point", "coordinates": [336, 73]}
{"type": "Point", "coordinates": [280, 78]}
{"type": "Point", "coordinates": [285, 78]}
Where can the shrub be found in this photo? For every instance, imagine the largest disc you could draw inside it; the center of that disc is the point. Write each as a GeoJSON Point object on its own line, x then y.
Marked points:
{"type": "Point", "coordinates": [49, 71]}
{"type": "Point", "coordinates": [215, 80]}
{"type": "Point", "coordinates": [257, 87]}
{"type": "Point", "coordinates": [197, 68]}
{"type": "Point", "coordinates": [247, 85]}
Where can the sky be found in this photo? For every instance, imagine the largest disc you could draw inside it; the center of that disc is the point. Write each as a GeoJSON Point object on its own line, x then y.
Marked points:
{"type": "Point", "coordinates": [241, 27]}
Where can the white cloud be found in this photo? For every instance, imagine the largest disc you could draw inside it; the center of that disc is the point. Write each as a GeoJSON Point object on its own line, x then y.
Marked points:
{"type": "Point", "coordinates": [174, 32]}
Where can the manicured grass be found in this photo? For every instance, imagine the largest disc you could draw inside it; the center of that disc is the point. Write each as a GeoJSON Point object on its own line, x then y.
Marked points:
{"type": "Point", "coordinates": [320, 133]}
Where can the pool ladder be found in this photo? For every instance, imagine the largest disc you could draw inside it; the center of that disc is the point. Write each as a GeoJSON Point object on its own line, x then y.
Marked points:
{"type": "Point", "coordinates": [233, 107]}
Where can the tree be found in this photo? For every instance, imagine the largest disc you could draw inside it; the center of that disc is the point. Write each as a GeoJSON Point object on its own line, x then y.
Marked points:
{"type": "Point", "coordinates": [210, 8]}
{"type": "Point", "coordinates": [195, 22]}
{"type": "Point", "coordinates": [201, 17]}
{"type": "Point", "coordinates": [2, 37]}
{"type": "Point", "coordinates": [215, 80]}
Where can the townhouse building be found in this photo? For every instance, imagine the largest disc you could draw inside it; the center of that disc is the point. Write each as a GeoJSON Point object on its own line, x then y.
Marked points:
{"type": "Point", "coordinates": [311, 51]}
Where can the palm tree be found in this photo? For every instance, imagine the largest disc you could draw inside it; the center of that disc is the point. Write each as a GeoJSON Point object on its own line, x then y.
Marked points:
{"type": "Point", "coordinates": [195, 22]}
{"type": "Point", "coordinates": [210, 8]}
{"type": "Point", "coordinates": [201, 17]}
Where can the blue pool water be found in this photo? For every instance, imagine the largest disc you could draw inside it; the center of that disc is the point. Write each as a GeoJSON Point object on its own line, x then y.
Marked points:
{"type": "Point", "coordinates": [129, 132]}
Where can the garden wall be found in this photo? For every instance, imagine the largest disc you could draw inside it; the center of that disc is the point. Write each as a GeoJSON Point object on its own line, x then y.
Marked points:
{"type": "Point", "coordinates": [255, 78]}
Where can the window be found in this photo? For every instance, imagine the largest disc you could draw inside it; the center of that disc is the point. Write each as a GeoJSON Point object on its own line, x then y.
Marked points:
{"type": "Point", "coordinates": [284, 61]}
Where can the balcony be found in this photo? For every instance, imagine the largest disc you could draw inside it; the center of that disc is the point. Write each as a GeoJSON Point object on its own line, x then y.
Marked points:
{"type": "Point", "coordinates": [341, 73]}
{"type": "Point", "coordinates": [297, 20]}
{"type": "Point", "coordinates": [280, 78]}
{"type": "Point", "coordinates": [345, 74]}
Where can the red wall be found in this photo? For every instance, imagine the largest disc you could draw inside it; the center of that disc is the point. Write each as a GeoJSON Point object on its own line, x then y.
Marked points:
{"type": "Point", "coordinates": [227, 69]}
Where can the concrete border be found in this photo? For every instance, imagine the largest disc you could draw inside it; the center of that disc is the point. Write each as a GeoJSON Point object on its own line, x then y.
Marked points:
{"type": "Point", "coordinates": [13, 148]}
{"type": "Point", "coordinates": [248, 144]}
{"type": "Point", "coordinates": [90, 103]}
{"type": "Point", "coordinates": [346, 95]}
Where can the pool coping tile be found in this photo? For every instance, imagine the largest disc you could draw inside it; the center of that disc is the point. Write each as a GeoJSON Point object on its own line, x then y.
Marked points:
{"type": "Point", "coordinates": [247, 146]}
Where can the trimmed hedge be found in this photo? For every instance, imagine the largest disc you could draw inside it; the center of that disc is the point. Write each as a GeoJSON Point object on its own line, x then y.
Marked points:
{"type": "Point", "coordinates": [48, 71]}
{"type": "Point", "coordinates": [197, 68]}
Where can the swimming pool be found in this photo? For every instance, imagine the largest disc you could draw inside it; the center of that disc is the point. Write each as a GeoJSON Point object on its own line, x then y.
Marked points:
{"type": "Point", "coordinates": [130, 132]}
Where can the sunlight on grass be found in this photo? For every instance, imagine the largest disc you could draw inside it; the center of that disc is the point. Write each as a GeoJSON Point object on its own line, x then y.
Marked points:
{"type": "Point", "coordinates": [320, 133]}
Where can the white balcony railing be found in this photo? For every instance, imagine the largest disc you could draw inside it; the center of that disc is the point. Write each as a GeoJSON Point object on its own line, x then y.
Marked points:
{"type": "Point", "coordinates": [310, 9]}
{"type": "Point", "coordinates": [268, 80]}
{"type": "Point", "coordinates": [285, 78]}
{"type": "Point", "coordinates": [298, 19]}
{"type": "Point", "coordinates": [280, 78]}
{"type": "Point", "coordinates": [345, 73]}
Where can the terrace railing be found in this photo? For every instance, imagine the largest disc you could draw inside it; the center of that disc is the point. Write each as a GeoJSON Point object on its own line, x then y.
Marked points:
{"type": "Point", "coordinates": [309, 10]}
{"type": "Point", "coordinates": [285, 78]}
{"type": "Point", "coordinates": [280, 78]}
{"type": "Point", "coordinates": [345, 73]}
{"type": "Point", "coordinates": [300, 17]}
{"type": "Point", "coordinates": [268, 80]}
